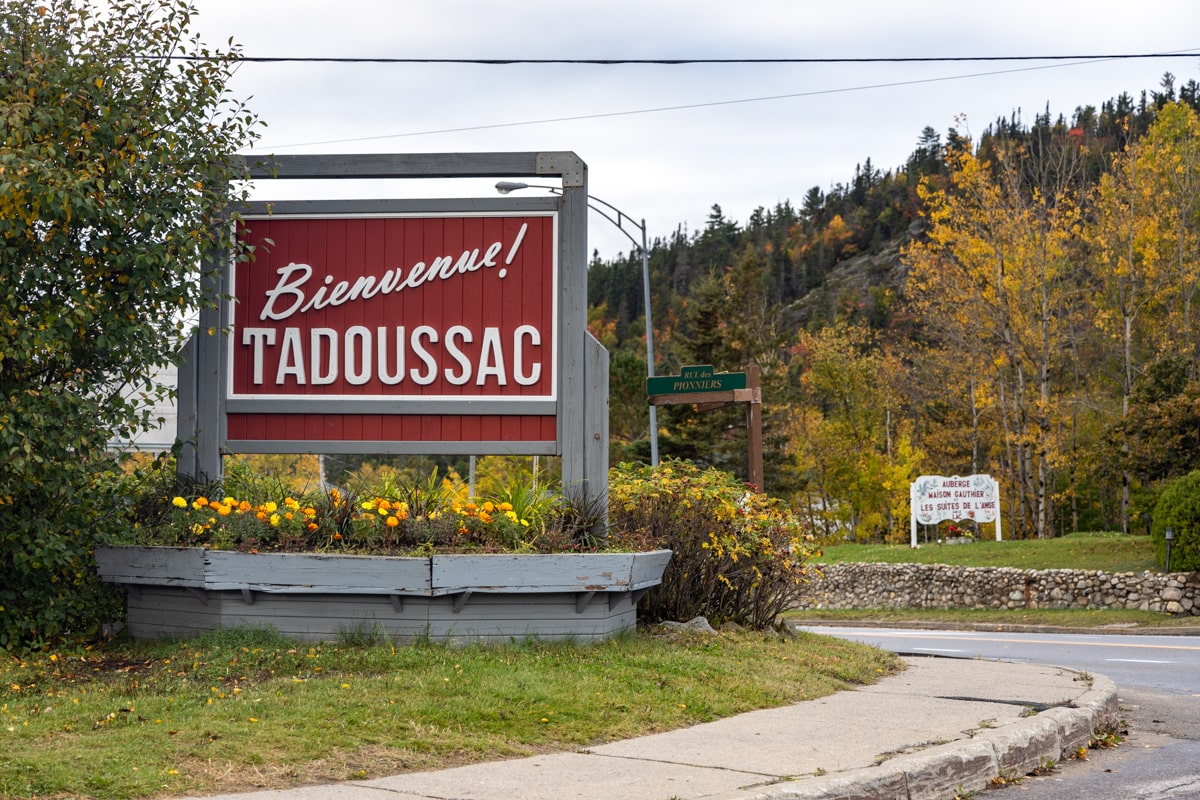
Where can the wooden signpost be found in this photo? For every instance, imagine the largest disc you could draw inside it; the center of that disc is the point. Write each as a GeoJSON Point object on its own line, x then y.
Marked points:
{"type": "Point", "coordinates": [708, 390]}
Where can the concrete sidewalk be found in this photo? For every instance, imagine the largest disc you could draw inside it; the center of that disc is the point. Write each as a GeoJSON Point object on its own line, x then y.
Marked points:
{"type": "Point", "coordinates": [942, 727]}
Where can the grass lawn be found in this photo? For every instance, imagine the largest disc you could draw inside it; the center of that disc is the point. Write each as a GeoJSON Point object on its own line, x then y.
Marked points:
{"type": "Point", "coordinates": [1107, 552]}
{"type": "Point", "coordinates": [248, 709]}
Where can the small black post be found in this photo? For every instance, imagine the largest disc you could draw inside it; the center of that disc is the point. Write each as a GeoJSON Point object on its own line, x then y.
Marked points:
{"type": "Point", "coordinates": [1170, 536]}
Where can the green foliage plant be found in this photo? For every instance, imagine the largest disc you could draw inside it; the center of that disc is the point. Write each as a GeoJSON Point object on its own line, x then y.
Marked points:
{"type": "Point", "coordinates": [394, 516]}
{"type": "Point", "coordinates": [1179, 509]}
{"type": "Point", "coordinates": [739, 556]}
{"type": "Point", "coordinates": [116, 130]}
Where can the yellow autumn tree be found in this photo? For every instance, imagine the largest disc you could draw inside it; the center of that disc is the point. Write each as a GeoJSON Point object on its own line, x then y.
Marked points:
{"type": "Point", "coordinates": [995, 280]}
{"type": "Point", "coordinates": [1145, 241]}
{"type": "Point", "coordinates": [1169, 163]}
{"type": "Point", "coordinates": [847, 435]}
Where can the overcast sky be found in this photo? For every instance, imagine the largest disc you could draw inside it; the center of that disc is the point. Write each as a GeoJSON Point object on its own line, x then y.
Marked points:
{"type": "Point", "coordinates": [667, 142]}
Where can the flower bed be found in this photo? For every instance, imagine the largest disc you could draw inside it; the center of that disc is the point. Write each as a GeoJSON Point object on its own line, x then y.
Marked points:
{"type": "Point", "coordinates": [181, 591]}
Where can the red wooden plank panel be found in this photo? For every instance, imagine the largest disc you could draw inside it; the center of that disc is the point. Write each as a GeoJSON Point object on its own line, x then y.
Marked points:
{"type": "Point", "coordinates": [391, 427]}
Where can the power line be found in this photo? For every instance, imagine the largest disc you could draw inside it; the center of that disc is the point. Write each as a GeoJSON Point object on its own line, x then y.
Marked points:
{"type": "Point", "coordinates": [684, 107]}
{"type": "Point", "coordinates": [678, 61]}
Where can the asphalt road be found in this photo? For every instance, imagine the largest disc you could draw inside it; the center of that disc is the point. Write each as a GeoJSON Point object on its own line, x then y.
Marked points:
{"type": "Point", "coordinates": [1158, 681]}
{"type": "Point", "coordinates": [1167, 663]}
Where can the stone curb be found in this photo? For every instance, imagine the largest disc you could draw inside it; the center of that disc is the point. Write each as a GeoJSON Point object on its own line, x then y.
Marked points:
{"type": "Point", "coordinates": [948, 770]}
{"type": "Point", "coordinates": [1191, 630]}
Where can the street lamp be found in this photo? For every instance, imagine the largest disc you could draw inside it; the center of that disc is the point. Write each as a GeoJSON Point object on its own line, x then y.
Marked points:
{"type": "Point", "coordinates": [619, 220]}
{"type": "Point", "coordinates": [1169, 534]}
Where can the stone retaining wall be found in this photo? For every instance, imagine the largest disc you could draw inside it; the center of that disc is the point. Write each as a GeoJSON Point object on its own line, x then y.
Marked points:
{"type": "Point", "coordinates": [942, 586]}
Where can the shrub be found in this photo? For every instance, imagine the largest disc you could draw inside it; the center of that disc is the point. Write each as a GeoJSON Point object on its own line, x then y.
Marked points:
{"type": "Point", "coordinates": [1179, 509]}
{"type": "Point", "coordinates": [114, 175]}
{"type": "Point", "coordinates": [738, 556]}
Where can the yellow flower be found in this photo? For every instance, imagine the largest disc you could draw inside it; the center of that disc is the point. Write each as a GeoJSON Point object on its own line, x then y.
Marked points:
{"type": "Point", "coordinates": [179, 502]}
{"type": "Point", "coordinates": [506, 506]}
{"type": "Point", "coordinates": [229, 501]}
{"type": "Point", "coordinates": [274, 520]}
{"type": "Point", "coordinates": [270, 507]}
{"type": "Point", "coordinates": [223, 510]}
{"type": "Point", "coordinates": [368, 505]}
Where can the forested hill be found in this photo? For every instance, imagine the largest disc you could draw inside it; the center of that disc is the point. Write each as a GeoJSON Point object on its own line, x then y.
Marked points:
{"type": "Point", "coordinates": [832, 272]}
{"type": "Point", "coordinates": [872, 214]}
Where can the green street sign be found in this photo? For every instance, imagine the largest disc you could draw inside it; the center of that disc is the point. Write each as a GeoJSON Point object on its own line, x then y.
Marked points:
{"type": "Point", "coordinates": [696, 379]}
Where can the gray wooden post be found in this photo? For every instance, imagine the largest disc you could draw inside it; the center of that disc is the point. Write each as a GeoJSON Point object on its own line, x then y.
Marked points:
{"type": "Point", "coordinates": [573, 322]}
{"type": "Point", "coordinates": [187, 465]}
{"type": "Point", "coordinates": [210, 386]}
{"type": "Point", "coordinates": [596, 425]}
{"type": "Point", "coordinates": [200, 396]}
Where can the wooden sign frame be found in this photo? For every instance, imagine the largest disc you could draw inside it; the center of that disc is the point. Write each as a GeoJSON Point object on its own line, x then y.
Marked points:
{"type": "Point", "coordinates": [709, 400]}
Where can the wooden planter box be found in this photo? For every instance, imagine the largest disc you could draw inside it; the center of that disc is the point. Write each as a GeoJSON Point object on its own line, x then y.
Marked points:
{"type": "Point", "coordinates": [181, 591]}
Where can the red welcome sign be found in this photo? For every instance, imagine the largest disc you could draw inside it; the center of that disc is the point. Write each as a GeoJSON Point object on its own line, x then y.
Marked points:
{"type": "Point", "coordinates": [398, 307]}
{"type": "Point", "coordinates": [436, 326]}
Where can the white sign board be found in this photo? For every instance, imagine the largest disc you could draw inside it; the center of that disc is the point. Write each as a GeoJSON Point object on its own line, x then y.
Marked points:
{"type": "Point", "coordinates": [934, 498]}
